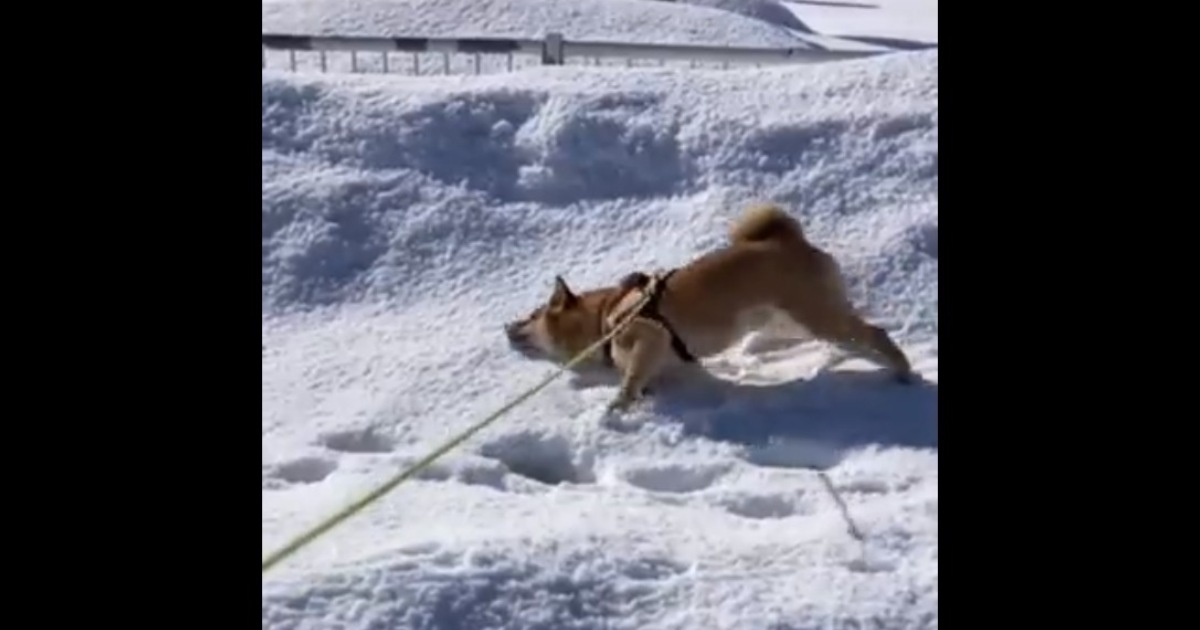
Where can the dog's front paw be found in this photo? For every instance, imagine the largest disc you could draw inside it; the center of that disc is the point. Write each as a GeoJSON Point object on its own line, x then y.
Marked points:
{"type": "Point", "coordinates": [618, 406]}
{"type": "Point", "coordinates": [617, 415]}
{"type": "Point", "coordinates": [622, 403]}
{"type": "Point", "coordinates": [614, 421]}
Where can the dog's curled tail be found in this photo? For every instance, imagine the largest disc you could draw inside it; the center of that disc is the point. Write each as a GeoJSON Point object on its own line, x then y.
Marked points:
{"type": "Point", "coordinates": [765, 222]}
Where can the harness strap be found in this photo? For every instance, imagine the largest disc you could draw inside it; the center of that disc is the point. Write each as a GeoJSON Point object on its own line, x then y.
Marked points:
{"type": "Point", "coordinates": [639, 280]}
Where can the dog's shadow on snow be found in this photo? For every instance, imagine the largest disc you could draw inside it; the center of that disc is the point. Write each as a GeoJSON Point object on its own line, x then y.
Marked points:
{"type": "Point", "coordinates": [807, 423]}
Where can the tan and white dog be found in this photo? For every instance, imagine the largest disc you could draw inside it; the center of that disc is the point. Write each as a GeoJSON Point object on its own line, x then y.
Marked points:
{"type": "Point", "coordinates": [768, 275]}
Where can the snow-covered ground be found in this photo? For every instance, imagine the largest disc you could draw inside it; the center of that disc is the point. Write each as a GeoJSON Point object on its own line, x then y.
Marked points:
{"type": "Point", "coordinates": [404, 220]}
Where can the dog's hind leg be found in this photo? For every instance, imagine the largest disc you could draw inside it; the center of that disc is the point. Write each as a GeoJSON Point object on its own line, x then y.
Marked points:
{"type": "Point", "coordinates": [848, 332]}
{"type": "Point", "coordinates": [876, 342]}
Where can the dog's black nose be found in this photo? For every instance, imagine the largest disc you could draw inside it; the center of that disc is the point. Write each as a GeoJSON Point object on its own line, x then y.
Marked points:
{"type": "Point", "coordinates": [512, 329]}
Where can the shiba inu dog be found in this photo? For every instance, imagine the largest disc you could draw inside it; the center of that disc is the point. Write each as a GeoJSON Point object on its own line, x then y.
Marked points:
{"type": "Point", "coordinates": [769, 278]}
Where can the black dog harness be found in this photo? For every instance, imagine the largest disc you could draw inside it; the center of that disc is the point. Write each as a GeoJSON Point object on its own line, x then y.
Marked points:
{"type": "Point", "coordinates": [639, 280]}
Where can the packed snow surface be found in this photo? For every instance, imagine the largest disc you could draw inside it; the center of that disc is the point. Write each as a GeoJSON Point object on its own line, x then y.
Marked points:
{"type": "Point", "coordinates": [404, 220]}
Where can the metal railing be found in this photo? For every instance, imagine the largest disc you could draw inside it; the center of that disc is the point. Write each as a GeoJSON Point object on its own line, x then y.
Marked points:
{"type": "Point", "coordinates": [415, 55]}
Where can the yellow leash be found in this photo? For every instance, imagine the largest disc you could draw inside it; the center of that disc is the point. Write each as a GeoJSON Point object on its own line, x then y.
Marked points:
{"type": "Point", "coordinates": [357, 506]}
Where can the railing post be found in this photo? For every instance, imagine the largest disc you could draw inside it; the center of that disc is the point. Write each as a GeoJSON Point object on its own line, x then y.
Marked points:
{"type": "Point", "coordinates": [552, 50]}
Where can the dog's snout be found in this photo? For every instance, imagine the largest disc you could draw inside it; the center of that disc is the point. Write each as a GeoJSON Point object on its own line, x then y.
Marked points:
{"type": "Point", "coordinates": [516, 334]}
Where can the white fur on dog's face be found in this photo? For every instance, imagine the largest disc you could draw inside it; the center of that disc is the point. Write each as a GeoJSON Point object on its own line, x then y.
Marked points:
{"type": "Point", "coordinates": [531, 335]}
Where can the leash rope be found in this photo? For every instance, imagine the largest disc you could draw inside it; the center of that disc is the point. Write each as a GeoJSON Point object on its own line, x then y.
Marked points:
{"type": "Point", "coordinates": [329, 523]}
{"type": "Point", "coordinates": [851, 526]}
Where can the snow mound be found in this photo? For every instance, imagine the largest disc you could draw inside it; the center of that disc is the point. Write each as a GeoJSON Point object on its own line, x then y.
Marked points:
{"type": "Point", "coordinates": [404, 220]}
{"type": "Point", "coordinates": [638, 21]}
{"type": "Point", "coordinates": [769, 11]}
{"type": "Point", "coordinates": [898, 24]}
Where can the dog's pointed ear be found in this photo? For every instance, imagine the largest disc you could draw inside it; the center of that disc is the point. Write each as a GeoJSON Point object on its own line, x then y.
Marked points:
{"type": "Point", "coordinates": [562, 293]}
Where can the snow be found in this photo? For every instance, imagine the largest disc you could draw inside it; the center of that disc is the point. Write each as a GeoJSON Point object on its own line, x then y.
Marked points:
{"type": "Point", "coordinates": [756, 23]}
{"type": "Point", "coordinates": [745, 23]}
{"type": "Point", "coordinates": [646, 21]}
{"type": "Point", "coordinates": [405, 219]}
{"type": "Point", "coordinates": [882, 21]}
